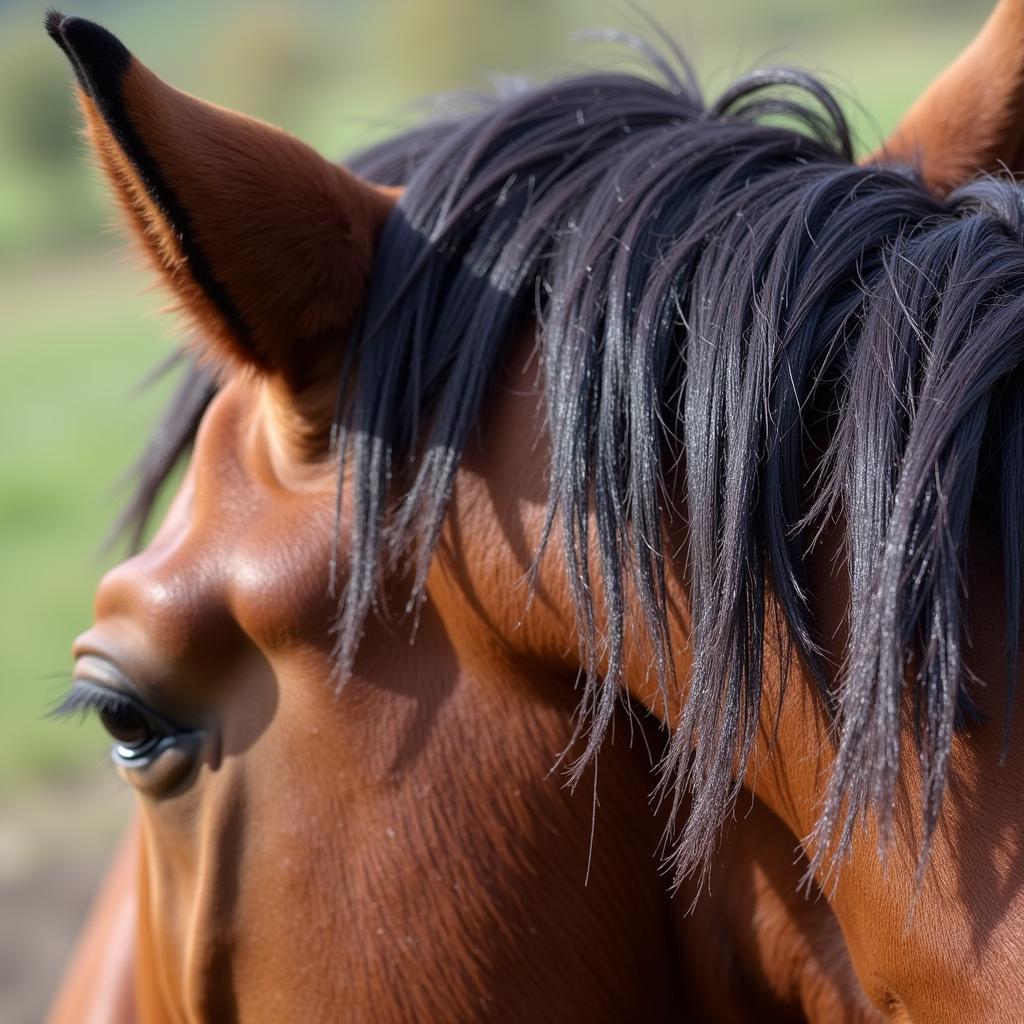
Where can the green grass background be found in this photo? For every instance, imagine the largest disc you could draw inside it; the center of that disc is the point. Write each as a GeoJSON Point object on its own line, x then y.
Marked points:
{"type": "Point", "coordinates": [77, 329]}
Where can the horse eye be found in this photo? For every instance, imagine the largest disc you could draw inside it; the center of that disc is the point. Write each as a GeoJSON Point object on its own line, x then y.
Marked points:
{"type": "Point", "coordinates": [127, 726]}
{"type": "Point", "coordinates": [142, 735]}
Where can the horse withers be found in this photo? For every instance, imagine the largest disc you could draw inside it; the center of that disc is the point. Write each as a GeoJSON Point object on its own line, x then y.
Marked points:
{"type": "Point", "coordinates": [594, 399]}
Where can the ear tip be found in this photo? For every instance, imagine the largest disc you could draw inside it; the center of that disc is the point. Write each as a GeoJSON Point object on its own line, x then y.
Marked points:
{"type": "Point", "coordinates": [95, 52]}
{"type": "Point", "coordinates": [53, 21]}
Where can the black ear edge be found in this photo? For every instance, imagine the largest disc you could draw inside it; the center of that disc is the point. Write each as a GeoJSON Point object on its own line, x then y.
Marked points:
{"type": "Point", "coordinates": [98, 57]}
{"type": "Point", "coordinates": [100, 61]}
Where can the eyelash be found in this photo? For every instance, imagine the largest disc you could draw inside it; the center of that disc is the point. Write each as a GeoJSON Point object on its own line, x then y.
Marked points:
{"type": "Point", "coordinates": [88, 698]}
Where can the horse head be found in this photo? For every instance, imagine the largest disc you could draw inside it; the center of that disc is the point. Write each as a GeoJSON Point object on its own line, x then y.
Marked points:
{"type": "Point", "coordinates": [392, 843]}
{"type": "Point", "coordinates": [622, 390]}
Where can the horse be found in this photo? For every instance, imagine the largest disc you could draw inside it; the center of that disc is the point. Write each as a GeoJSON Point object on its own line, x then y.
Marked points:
{"type": "Point", "coordinates": [589, 420]}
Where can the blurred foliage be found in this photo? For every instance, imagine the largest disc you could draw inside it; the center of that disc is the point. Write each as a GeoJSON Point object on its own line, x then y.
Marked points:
{"type": "Point", "coordinates": [75, 330]}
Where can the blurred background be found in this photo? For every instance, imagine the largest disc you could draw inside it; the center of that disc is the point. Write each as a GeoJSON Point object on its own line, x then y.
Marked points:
{"type": "Point", "coordinates": [78, 331]}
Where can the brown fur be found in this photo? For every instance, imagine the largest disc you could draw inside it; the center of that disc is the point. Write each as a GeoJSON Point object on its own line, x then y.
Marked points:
{"type": "Point", "coordinates": [383, 855]}
{"type": "Point", "coordinates": [953, 951]}
{"type": "Point", "coordinates": [378, 855]}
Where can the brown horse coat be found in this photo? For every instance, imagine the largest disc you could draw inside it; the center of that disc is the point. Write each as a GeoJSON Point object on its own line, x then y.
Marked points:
{"type": "Point", "coordinates": [367, 899]}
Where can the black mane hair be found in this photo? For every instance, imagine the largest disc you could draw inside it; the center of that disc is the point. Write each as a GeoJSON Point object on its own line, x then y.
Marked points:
{"type": "Point", "coordinates": [738, 329]}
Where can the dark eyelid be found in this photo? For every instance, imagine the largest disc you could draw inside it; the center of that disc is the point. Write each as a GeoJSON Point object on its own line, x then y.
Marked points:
{"type": "Point", "coordinates": [101, 671]}
{"type": "Point", "coordinates": [86, 695]}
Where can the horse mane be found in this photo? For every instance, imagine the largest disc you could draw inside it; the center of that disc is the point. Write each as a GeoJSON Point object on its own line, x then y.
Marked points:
{"type": "Point", "coordinates": [740, 331]}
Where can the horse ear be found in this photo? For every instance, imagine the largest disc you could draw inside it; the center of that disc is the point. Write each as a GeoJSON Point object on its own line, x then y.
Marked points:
{"type": "Point", "coordinates": [264, 243]}
{"type": "Point", "coordinates": [971, 118]}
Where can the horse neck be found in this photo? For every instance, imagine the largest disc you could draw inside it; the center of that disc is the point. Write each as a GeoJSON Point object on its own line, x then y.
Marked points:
{"type": "Point", "coordinates": [481, 585]}
{"type": "Point", "coordinates": [480, 581]}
